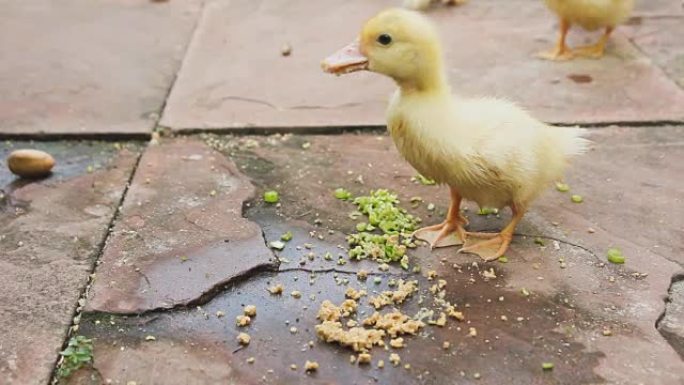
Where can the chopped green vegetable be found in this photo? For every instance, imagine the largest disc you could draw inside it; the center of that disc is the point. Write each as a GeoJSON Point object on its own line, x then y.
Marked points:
{"type": "Point", "coordinates": [342, 194]}
{"type": "Point", "coordinates": [487, 211]}
{"type": "Point", "coordinates": [278, 245]}
{"type": "Point", "coordinates": [431, 206]}
{"type": "Point", "coordinates": [503, 259]}
{"type": "Point", "coordinates": [79, 352]}
{"type": "Point", "coordinates": [271, 197]}
{"type": "Point", "coordinates": [539, 241]}
{"type": "Point", "coordinates": [547, 365]}
{"type": "Point", "coordinates": [377, 280]}
{"type": "Point", "coordinates": [327, 256]}
{"type": "Point", "coordinates": [286, 237]}
{"type": "Point", "coordinates": [615, 256]}
{"type": "Point", "coordinates": [577, 198]}
{"type": "Point", "coordinates": [395, 224]}
{"type": "Point", "coordinates": [423, 180]}
{"type": "Point", "coordinates": [562, 187]}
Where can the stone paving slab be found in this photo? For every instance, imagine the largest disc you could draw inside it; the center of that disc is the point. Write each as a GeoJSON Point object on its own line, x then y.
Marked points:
{"type": "Point", "coordinates": [659, 39]}
{"type": "Point", "coordinates": [563, 320]}
{"type": "Point", "coordinates": [80, 67]}
{"type": "Point", "coordinates": [181, 233]}
{"type": "Point", "coordinates": [234, 76]}
{"type": "Point", "coordinates": [50, 234]}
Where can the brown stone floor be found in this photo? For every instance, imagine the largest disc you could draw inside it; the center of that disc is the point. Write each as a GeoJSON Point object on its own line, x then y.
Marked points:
{"type": "Point", "coordinates": [129, 240]}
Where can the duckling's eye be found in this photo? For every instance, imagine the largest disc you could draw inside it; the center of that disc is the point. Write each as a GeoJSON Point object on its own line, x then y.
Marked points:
{"type": "Point", "coordinates": [384, 39]}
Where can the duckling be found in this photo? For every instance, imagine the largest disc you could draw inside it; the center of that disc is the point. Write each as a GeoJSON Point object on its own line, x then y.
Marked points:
{"type": "Point", "coordinates": [486, 150]}
{"type": "Point", "coordinates": [590, 15]}
{"type": "Point", "coordinates": [421, 5]}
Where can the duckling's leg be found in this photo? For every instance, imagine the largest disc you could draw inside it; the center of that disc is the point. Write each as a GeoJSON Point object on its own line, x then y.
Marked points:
{"type": "Point", "coordinates": [497, 244]}
{"type": "Point", "coordinates": [561, 51]}
{"type": "Point", "coordinates": [595, 51]}
{"type": "Point", "coordinates": [448, 233]}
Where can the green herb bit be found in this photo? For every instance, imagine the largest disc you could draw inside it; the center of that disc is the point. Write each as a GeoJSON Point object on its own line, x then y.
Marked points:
{"type": "Point", "coordinates": [503, 259]}
{"type": "Point", "coordinates": [377, 280]}
{"type": "Point", "coordinates": [539, 241]}
{"type": "Point", "coordinates": [562, 187]}
{"type": "Point", "coordinates": [424, 181]}
{"type": "Point", "coordinates": [79, 352]}
{"type": "Point", "coordinates": [487, 211]}
{"type": "Point", "coordinates": [271, 197]}
{"type": "Point", "coordinates": [577, 199]}
{"type": "Point", "coordinates": [615, 256]}
{"type": "Point", "coordinates": [286, 237]}
{"type": "Point", "coordinates": [547, 365]}
{"type": "Point", "coordinates": [342, 194]}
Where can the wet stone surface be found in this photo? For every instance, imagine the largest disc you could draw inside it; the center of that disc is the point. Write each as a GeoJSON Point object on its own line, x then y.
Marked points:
{"type": "Point", "coordinates": [51, 231]}
{"type": "Point", "coordinates": [181, 233]}
{"type": "Point", "coordinates": [580, 314]}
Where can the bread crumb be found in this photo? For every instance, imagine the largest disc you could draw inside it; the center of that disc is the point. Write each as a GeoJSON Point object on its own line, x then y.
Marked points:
{"type": "Point", "coordinates": [441, 321]}
{"type": "Point", "coordinates": [404, 290]}
{"type": "Point", "coordinates": [452, 312]}
{"type": "Point", "coordinates": [397, 343]}
{"type": "Point", "coordinates": [354, 294]}
{"type": "Point", "coordinates": [251, 360]}
{"type": "Point", "coordinates": [250, 310]}
{"type": "Point", "coordinates": [430, 275]}
{"type": "Point", "coordinates": [364, 358]}
{"type": "Point", "coordinates": [296, 294]}
{"type": "Point", "coordinates": [293, 367]}
{"type": "Point", "coordinates": [446, 345]}
{"type": "Point", "coordinates": [381, 364]}
{"type": "Point", "coordinates": [220, 314]}
{"type": "Point", "coordinates": [242, 320]}
{"type": "Point", "coordinates": [472, 332]}
{"type": "Point", "coordinates": [357, 338]}
{"type": "Point", "coordinates": [362, 275]}
{"type": "Point", "coordinates": [243, 338]}
{"type": "Point", "coordinates": [277, 289]}
{"type": "Point", "coordinates": [395, 359]}
{"type": "Point", "coordinates": [310, 366]}
{"type": "Point", "coordinates": [351, 323]}
{"type": "Point", "coordinates": [352, 359]}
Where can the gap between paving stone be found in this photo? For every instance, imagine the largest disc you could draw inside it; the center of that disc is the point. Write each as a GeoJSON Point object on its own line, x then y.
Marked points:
{"type": "Point", "coordinates": [78, 308]}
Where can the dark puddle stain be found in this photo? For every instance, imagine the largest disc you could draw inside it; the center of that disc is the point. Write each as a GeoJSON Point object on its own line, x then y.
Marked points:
{"type": "Point", "coordinates": [580, 78]}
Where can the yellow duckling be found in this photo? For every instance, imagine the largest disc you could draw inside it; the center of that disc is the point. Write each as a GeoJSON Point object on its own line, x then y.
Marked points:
{"type": "Point", "coordinates": [486, 150]}
{"type": "Point", "coordinates": [590, 15]}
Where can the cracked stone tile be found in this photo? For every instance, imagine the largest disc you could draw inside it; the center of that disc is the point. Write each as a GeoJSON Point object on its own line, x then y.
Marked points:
{"type": "Point", "coordinates": [671, 326]}
{"type": "Point", "coordinates": [580, 313]}
{"type": "Point", "coordinates": [216, 91]}
{"type": "Point", "coordinates": [65, 72]}
{"type": "Point", "coordinates": [51, 231]}
{"type": "Point", "coordinates": [181, 233]}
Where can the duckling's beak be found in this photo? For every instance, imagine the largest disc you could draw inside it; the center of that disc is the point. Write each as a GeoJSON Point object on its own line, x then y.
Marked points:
{"type": "Point", "coordinates": [346, 60]}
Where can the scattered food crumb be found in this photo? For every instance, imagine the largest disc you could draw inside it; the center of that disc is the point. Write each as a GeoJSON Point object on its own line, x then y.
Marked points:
{"type": "Point", "coordinates": [250, 310]}
{"type": "Point", "coordinates": [310, 366]}
{"type": "Point", "coordinates": [243, 338]}
{"type": "Point", "coordinates": [277, 289]}
{"type": "Point", "coordinates": [362, 275]}
{"type": "Point", "coordinates": [296, 294]}
{"type": "Point", "coordinates": [150, 338]}
{"type": "Point", "coordinates": [547, 365]}
{"type": "Point", "coordinates": [395, 359]}
{"type": "Point", "coordinates": [251, 360]}
{"type": "Point", "coordinates": [242, 320]}
{"type": "Point", "coordinates": [397, 343]}
{"type": "Point", "coordinates": [364, 358]}
{"type": "Point", "coordinates": [446, 345]}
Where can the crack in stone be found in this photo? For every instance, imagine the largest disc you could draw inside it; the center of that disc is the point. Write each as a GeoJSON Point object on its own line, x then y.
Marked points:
{"type": "Point", "coordinates": [675, 340]}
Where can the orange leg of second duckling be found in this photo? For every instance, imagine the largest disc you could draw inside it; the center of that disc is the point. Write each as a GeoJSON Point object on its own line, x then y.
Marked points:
{"type": "Point", "coordinates": [594, 51]}
{"type": "Point", "coordinates": [561, 51]}
{"type": "Point", "coordinates": [451, 231]}
{"type": "Point", "coordinates": [497, 244]}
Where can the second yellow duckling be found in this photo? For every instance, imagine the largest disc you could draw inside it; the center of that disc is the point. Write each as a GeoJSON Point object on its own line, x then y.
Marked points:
{"type": "Point", "coordinates": [590, 15]}
{"type": "Point", "coordinates": [486, 150]}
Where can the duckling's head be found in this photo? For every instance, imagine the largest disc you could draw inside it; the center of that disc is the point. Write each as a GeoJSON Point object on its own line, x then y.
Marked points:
{"type": "Point", "coordinates": [399, 43]}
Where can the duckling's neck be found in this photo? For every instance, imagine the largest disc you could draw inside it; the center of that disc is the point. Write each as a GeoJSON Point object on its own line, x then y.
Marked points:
{"type": "Point", "coordinates": [431, 81]}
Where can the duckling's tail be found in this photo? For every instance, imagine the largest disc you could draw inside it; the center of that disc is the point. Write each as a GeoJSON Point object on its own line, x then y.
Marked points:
{"type": "Point", "coordinates": [573, 141]}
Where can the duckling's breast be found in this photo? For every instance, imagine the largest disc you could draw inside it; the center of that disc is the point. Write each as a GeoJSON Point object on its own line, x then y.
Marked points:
{"type": "Point", "coordinates": [432, 157]}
